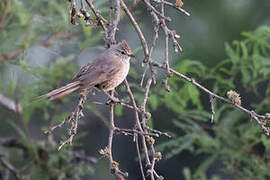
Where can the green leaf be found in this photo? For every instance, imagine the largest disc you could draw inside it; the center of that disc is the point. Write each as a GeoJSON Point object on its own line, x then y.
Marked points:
{"type": "Point", "coordinates": [205, 165]}
{"type": "Point", "coordinates": [153, 101]}
{"type": "Point", "coordinates": [24, 64]}
{"type": "Point", "coordinates": [150, 123]}
{"type": "Point", "coordinates": [187, 173]}
{"type": "Point", "coordinates": [245, 75]}
{"type": "Point", "coordinates": [244, 50]}
{"type": "Point", "coordinates": [119, 110]}
{"type": "Point", "coordinates": [231, 53]}
{"type": "Point", "coordinates": [193, 93]}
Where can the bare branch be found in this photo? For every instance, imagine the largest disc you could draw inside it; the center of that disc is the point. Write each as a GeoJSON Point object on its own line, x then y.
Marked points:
{"type": "Point", "coordinates": [5, 163]}
{"type": "Point", "coordinates": [139, 156]}
{"type": "Point", "coordinates": [113, 23]}
{"type": "Point", "coordinates": [87, 17]}
{"type": "Point", "coordinates": [113, 164]}
{"type": "Point", "coordinates": [101, 20]}
{"type": "Point", "coordinates": [156, 11]}
{"type": "Point", "coordinates": [133, 131]}
{"type": "Point", "coordinates": [173, 5]}
{"type": "Point", "coordinates": [72, 120]}
{"type": "Point", "coordinates": [137, 28]}
{"type": "Point", "coordinates": [138, 125]}
{"type": "Point", "coordinates": [212, 101]}
{"type": "Point", "coordinates": [260, 119]}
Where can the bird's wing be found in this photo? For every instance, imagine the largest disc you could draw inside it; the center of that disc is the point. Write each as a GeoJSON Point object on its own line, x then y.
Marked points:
{"type": "Point", "coordinates": [97, 71]}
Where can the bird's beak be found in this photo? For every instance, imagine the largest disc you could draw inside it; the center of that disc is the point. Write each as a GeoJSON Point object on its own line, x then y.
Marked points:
{"type": "Point", "coordinates": [131, 55]}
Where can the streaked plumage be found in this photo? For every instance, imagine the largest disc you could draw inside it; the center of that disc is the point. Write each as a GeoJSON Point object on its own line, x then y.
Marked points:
{"type": "Point", "coordinates": [105, 72]}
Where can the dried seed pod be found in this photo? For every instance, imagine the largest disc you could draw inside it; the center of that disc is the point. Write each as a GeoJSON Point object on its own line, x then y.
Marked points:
{"type": "Point", "coordinates": [158, 156]}
{"type": "Point", "coordinates": [234, 97]}
{"type": "Point", "coordinates": [179, 3]}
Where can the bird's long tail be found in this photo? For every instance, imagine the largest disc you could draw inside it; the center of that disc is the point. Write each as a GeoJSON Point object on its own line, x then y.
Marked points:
{"type": "Point", "coordinates": [62, 91]}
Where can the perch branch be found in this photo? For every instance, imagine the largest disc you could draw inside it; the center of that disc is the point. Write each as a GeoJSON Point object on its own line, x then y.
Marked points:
{"type": "Point", "coordinates": [114, 166]}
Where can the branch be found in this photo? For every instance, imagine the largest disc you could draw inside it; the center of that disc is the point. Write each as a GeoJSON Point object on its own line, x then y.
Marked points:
{"type": "Point", "coordinates": [212, 101]}
{"type": "Point", "coordinates": [137, 28]}
{"type": "Point", "coordinates": [6, 164]}
{"type": "Point", "coordinates": [72, 120]}
{"type": "Point", "coordinates": [5, 13]}
{"type": "Point", "coordinates": [138, 125]}
{"type": "Point", "coordinates": [114, 166]}
{"type": "Point", "coordinates": [139, 156]}
{"type": "Point", "coordinates": [12, 143]}
{"type": "Point", "coordinates": [101, 20]}
{"type": "Point", "coordinates": [157, 12]}
{"type": "Point", "coordinates": [173, 5]}
{"type": "Point", "coordinates": [113, 23]}
{"type": "Point", "coordinates": [260, 119]}
{"type": "Point", "coordinates": [143, 135]}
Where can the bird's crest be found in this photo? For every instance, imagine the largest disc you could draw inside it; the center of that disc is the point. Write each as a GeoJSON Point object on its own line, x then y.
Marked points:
{"type": "Point", "coordinates": [126, 46]}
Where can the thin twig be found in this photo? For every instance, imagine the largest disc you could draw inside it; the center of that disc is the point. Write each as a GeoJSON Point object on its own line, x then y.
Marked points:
{"type": "Point", "coordinates": [113, 164]}
{"type": "Point", "coordinates": [138, 125]}
{"type": "Point", "coordinates": [113, 23]}
{"type": "Point", "coordinates": [156, 11]}
{"type": "Point", "coordinates": [172, 5]}
{"type": "Point", "coordinates": [101, 20]}
{"type": "Point", "coordinates": [212, 101]}
{"type": "Point", "coordinates": [139, 156]}
{"type": "Point", "coordinates": [5, 163]}
{"type": "Point", "coordinates": [159, 132]}
{"type": "Point", "coordinates": [156, 30]}
{"type": "Point", "coordinates": [251, 113]}
{"type": "Point", "coordinates": [5, 13]}
{"type": "Point", "coordinates": [133, 131]}
{"type": "Point", "coordinates": [111, 132]}
{"type": "Point", "coordinates": [87, 17]}
{"type": "Point", "coordinates": [137, 28]}
{"type": "Point", "coordinates": [145, 115]}
{"type": "Point", "coordinates": [73, 119]}
{"type": "Point", "coordinates": [118, 101]}
{"type": "Point", "coordinates": [96, 12]}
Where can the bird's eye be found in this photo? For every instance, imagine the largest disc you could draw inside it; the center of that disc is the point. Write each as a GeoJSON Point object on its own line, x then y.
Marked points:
{"type": "Point", "coordinates": [123, 52]}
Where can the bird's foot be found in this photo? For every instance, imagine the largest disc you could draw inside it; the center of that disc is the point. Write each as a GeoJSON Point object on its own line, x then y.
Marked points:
{"type": "Point", "coordinates": [112, 100]}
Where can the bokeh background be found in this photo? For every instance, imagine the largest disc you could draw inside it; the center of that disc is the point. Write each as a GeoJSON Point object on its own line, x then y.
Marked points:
{"type": "Point", "coordinates": [226, 45]}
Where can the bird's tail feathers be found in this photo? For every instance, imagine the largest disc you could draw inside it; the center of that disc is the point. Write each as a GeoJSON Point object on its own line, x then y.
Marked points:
{"type": "Point", "coordinates": [62, 91]}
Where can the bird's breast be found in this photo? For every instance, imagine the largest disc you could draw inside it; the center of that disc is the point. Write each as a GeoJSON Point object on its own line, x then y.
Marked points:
{"type": "Point", "coordinates": [117, 78]}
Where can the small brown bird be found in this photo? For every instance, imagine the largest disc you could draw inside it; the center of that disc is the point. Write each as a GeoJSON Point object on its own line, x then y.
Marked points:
{"type": "Point", "coordinates": [106, 72]}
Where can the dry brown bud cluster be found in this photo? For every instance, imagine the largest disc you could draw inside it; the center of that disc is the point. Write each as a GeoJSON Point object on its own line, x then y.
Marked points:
{"type": "Point", "coordinates": [234, 97]}
{"type": "Point", "coordinates": [179, 3]}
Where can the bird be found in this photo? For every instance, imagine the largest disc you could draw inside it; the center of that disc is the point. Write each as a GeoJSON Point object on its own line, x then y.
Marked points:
{"type": "Point", "coordinates": [108, 70]}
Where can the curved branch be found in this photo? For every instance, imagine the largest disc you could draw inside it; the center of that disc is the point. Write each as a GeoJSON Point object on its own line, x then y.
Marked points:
{"type": "Point", "coordinates": [137, 28]}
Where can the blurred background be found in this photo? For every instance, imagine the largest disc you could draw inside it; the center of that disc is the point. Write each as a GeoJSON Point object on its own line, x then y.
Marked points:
{"type": "Point", "coordinates": [226, 45]}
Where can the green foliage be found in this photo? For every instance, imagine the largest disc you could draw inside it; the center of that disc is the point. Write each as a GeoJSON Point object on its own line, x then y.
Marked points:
{"type": "Point", "coordinates": [248, 58]}
{"type": "Point", "coordinates": [25, 25]}
{"type": "Point", "coordinates": [46, 162]}
{"type": "Point", "coordinates": [233, 140]}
